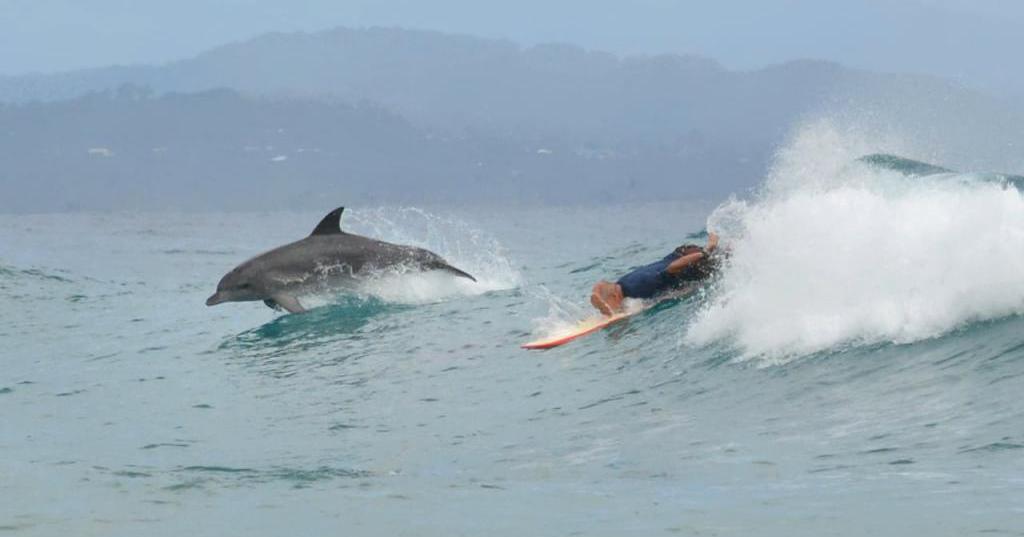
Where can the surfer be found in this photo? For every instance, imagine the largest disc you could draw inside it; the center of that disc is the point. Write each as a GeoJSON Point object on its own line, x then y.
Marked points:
{"type": "Point", "coordinates": [688, 263]}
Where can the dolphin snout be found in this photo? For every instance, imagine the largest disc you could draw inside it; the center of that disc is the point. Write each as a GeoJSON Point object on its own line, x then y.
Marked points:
{"type": "Point", "coordinates": [214, 299]}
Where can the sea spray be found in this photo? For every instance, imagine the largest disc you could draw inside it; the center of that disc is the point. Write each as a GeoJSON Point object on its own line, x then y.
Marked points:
{"type": "Point", "coordinates": [562, 315]}
{"type": "Point", "coordinates": [833, 252]}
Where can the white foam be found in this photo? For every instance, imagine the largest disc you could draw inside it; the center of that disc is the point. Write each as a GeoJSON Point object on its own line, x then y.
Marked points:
{"type": "Point", "coordinates": [833, 254]}
{"type": "Point", "coordinates": [564, 316]}
{"type": "Point", "coordinates": [415, 287]}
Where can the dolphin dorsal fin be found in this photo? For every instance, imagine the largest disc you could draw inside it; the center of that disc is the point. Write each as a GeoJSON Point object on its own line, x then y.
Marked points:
{"type": "Point", "coordinates": [331, 224]}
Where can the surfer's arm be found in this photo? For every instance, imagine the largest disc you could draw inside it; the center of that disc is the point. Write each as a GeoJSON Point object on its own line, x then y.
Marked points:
{"type": "Point", "coordinates": [678, 265]}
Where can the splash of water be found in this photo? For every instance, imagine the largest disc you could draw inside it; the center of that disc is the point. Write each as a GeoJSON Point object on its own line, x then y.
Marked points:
{"type": "Point", "coordinates": [564, 316]}
{"type": "Point", "coordinates": [835, 253]}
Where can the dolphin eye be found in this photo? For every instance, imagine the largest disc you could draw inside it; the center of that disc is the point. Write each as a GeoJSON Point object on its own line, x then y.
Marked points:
{"type": "Point", "coordinates": [244, 286]}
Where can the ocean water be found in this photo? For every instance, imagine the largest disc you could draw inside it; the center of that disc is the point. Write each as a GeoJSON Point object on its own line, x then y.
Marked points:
{"type": "Point", "coordinates": [856, 369]}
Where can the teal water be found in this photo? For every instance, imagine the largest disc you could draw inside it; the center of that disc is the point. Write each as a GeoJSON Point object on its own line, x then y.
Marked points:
{"type": "Point", "coordinates": [794, 399]}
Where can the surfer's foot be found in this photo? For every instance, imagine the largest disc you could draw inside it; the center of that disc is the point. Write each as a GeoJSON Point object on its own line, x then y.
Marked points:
{"type": "Point", "coordinates": [606, 297]}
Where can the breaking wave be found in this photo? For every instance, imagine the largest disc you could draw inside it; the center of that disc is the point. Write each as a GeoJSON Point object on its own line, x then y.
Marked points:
{"type": "Point", "coordinates": [838, 250]}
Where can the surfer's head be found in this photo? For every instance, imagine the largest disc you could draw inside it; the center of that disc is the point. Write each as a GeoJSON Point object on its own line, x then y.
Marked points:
{"type": "Point", "coordinates": [687, 249]}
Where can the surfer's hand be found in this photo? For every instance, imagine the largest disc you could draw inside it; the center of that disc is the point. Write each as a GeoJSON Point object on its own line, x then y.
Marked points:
{"type": "Point", "coordinates": [712, 241]}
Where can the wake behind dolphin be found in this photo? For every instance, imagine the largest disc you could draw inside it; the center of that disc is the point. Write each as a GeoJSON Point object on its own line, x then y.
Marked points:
{"type": "Point", "coordinates": [328, 259]}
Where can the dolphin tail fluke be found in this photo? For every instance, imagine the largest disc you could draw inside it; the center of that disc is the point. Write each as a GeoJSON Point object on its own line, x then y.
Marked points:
{"type": "Point", "coordinates": [455, 271]}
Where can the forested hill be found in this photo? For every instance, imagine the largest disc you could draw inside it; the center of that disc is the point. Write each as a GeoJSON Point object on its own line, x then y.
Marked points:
{"type": "Point", "coordinates": [220, 150]}
{"type": "Point", "coordinates": [410, 116]}
{"type": "Point", "coordinates": [459, 82]}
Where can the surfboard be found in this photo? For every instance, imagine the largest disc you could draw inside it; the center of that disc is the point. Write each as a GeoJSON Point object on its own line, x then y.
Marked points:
{"type": "Point", "coordinates": [597, 322]}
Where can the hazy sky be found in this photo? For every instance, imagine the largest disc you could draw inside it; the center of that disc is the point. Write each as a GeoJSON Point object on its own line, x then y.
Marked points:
{"type": "Point", "coordinates": [975, 41]}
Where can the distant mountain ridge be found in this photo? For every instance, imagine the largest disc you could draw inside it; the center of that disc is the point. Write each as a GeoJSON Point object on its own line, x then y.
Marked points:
{"type": "Point", "coordinates": [468, 119]}
{"type": "Point", "coordinates": [220, 150]}
{"type": "Point", "coordinates": [457, 82]}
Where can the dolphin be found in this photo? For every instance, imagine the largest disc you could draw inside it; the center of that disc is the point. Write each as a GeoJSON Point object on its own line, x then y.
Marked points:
{"type": "Point", "coordinates": [327, 259]}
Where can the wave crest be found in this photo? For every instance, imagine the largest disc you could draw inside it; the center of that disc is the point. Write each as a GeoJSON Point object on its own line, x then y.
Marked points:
{"type": "Point", "coordinates": [833, 253]}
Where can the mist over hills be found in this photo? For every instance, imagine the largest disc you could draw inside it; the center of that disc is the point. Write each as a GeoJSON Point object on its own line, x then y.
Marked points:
{"type": "Point", "coordinates": [456, 82]}
{"type": "Point", "coordinates": [411, 116]}
{"type": "Point", "coordinates": [217, 149]}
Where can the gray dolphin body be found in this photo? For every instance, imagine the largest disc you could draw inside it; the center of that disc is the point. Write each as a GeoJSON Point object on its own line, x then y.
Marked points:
{"type": "Point", "coordinates": [327, 259]}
